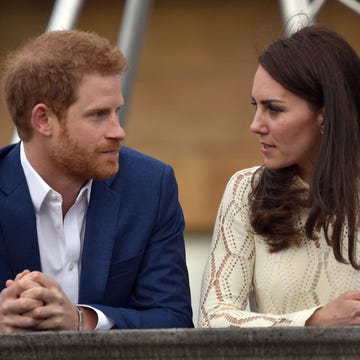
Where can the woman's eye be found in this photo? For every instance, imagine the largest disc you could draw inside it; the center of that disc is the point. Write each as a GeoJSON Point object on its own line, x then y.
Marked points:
{"type": "Point", "coordinates": [274, 109]}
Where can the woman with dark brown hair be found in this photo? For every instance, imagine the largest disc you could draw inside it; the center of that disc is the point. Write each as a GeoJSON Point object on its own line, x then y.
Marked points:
{"type": "Point", "coordinates": [287, 232]}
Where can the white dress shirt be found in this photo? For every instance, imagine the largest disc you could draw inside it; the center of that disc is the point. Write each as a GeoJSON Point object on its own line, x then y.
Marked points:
{"type": "Point", "coordinates": [60, 239]}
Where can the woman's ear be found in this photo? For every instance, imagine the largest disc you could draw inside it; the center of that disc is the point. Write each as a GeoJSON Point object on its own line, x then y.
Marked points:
{"type": "Point", "coordinates": [41, 119]}
{"type": "Point", "coordinates": [321, 121]}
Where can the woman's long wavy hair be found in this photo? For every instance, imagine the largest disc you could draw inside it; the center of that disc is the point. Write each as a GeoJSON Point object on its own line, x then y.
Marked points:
{"type": "Point", "coordinates": [319, 66]}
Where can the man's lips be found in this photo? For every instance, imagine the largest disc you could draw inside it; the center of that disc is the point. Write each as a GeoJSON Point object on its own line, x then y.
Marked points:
{"type": "Point", "coordinates": [109, 149]}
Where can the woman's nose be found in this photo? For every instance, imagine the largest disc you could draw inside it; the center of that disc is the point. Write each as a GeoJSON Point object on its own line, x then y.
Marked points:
{"type": "Point", "coordinates": [258, 125]}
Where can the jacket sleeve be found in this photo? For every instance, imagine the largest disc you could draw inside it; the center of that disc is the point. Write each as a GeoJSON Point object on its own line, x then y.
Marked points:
{"type": "Point", "coordinates": [161, 295]}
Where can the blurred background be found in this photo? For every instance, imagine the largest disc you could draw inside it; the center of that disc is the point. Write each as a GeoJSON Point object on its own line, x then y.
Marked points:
{"type": "Point", "coordinates": [190, 101]}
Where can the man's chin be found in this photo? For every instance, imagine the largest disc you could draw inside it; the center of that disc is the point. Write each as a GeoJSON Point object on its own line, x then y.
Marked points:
{"type": "Point", "coordinates": [106, 173]}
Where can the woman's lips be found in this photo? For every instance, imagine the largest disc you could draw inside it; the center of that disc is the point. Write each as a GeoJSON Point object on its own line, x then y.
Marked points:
{"type": "Point", "coordinates": [267, 148]}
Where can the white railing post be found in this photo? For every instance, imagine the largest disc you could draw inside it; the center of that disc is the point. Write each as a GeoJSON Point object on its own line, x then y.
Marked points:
{"type": "Point", "coordinates": [131, 36]}
{"type": "Point", "coordinates": [63, 17]}
{"type": "Point", "coordinates": [298, 13]}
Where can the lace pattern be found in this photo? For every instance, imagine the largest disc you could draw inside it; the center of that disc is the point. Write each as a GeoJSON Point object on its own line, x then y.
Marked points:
{"type": "Point", "coordinates": [288, 286]}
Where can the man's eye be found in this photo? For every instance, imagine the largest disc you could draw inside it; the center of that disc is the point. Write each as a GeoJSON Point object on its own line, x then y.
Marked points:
{"type": "Point", "coordinates": [100, 113]}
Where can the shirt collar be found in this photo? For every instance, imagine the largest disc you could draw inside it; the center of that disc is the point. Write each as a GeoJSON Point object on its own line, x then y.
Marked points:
{"type": "Point", "coordinates": [38, 188]}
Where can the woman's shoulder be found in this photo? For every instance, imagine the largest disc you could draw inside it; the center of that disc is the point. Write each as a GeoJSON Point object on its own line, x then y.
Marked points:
{"type": "Point", "coordinates": [245, 175]}
{"type": "Point", "coordinates": [240, 182]}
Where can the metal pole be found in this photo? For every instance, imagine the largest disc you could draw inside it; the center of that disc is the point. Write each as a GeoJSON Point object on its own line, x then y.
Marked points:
{"type": "Point", "coordinates": [63, 17]}
{"type": "Point", "coordinates": [293, 9]}
{"type": "Point", "coordinates": [131, 36]}
{"type": "Point", "coordinates": [295, 13]}
{"type": "Point", "coordinates": [352, 4]}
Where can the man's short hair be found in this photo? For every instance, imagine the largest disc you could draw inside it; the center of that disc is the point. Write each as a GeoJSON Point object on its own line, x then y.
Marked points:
{"type": "Point", "coordinates": [48, 69]}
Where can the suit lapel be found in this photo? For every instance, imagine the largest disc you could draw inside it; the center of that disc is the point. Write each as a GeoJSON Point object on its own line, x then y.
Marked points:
{"type": "Point", "coordinates": [101, 223]}
{"type": "Point", "coordinates": [17, 218]}
{"type": "Point", "coordinates": [18, 224]}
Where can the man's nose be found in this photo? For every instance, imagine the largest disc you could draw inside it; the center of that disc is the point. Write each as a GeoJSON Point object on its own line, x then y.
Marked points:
{"type": "Point", "coordinates": [115, 130]}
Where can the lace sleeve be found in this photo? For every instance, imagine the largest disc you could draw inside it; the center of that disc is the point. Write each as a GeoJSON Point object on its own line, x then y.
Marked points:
{"type": "Point", "coordinates": [227, 280]}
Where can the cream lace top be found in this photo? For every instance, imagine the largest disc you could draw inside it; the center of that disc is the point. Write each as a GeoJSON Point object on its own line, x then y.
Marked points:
{"type": "Point", "coordinates": [288, 286]}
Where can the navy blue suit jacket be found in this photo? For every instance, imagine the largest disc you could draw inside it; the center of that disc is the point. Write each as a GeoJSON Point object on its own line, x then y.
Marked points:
{"type": "Point", "coordinates": [133, 263]}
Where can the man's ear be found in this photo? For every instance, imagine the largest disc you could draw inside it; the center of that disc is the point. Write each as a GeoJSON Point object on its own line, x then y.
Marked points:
{"type": "Point", "coordinates": [42, 119]}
